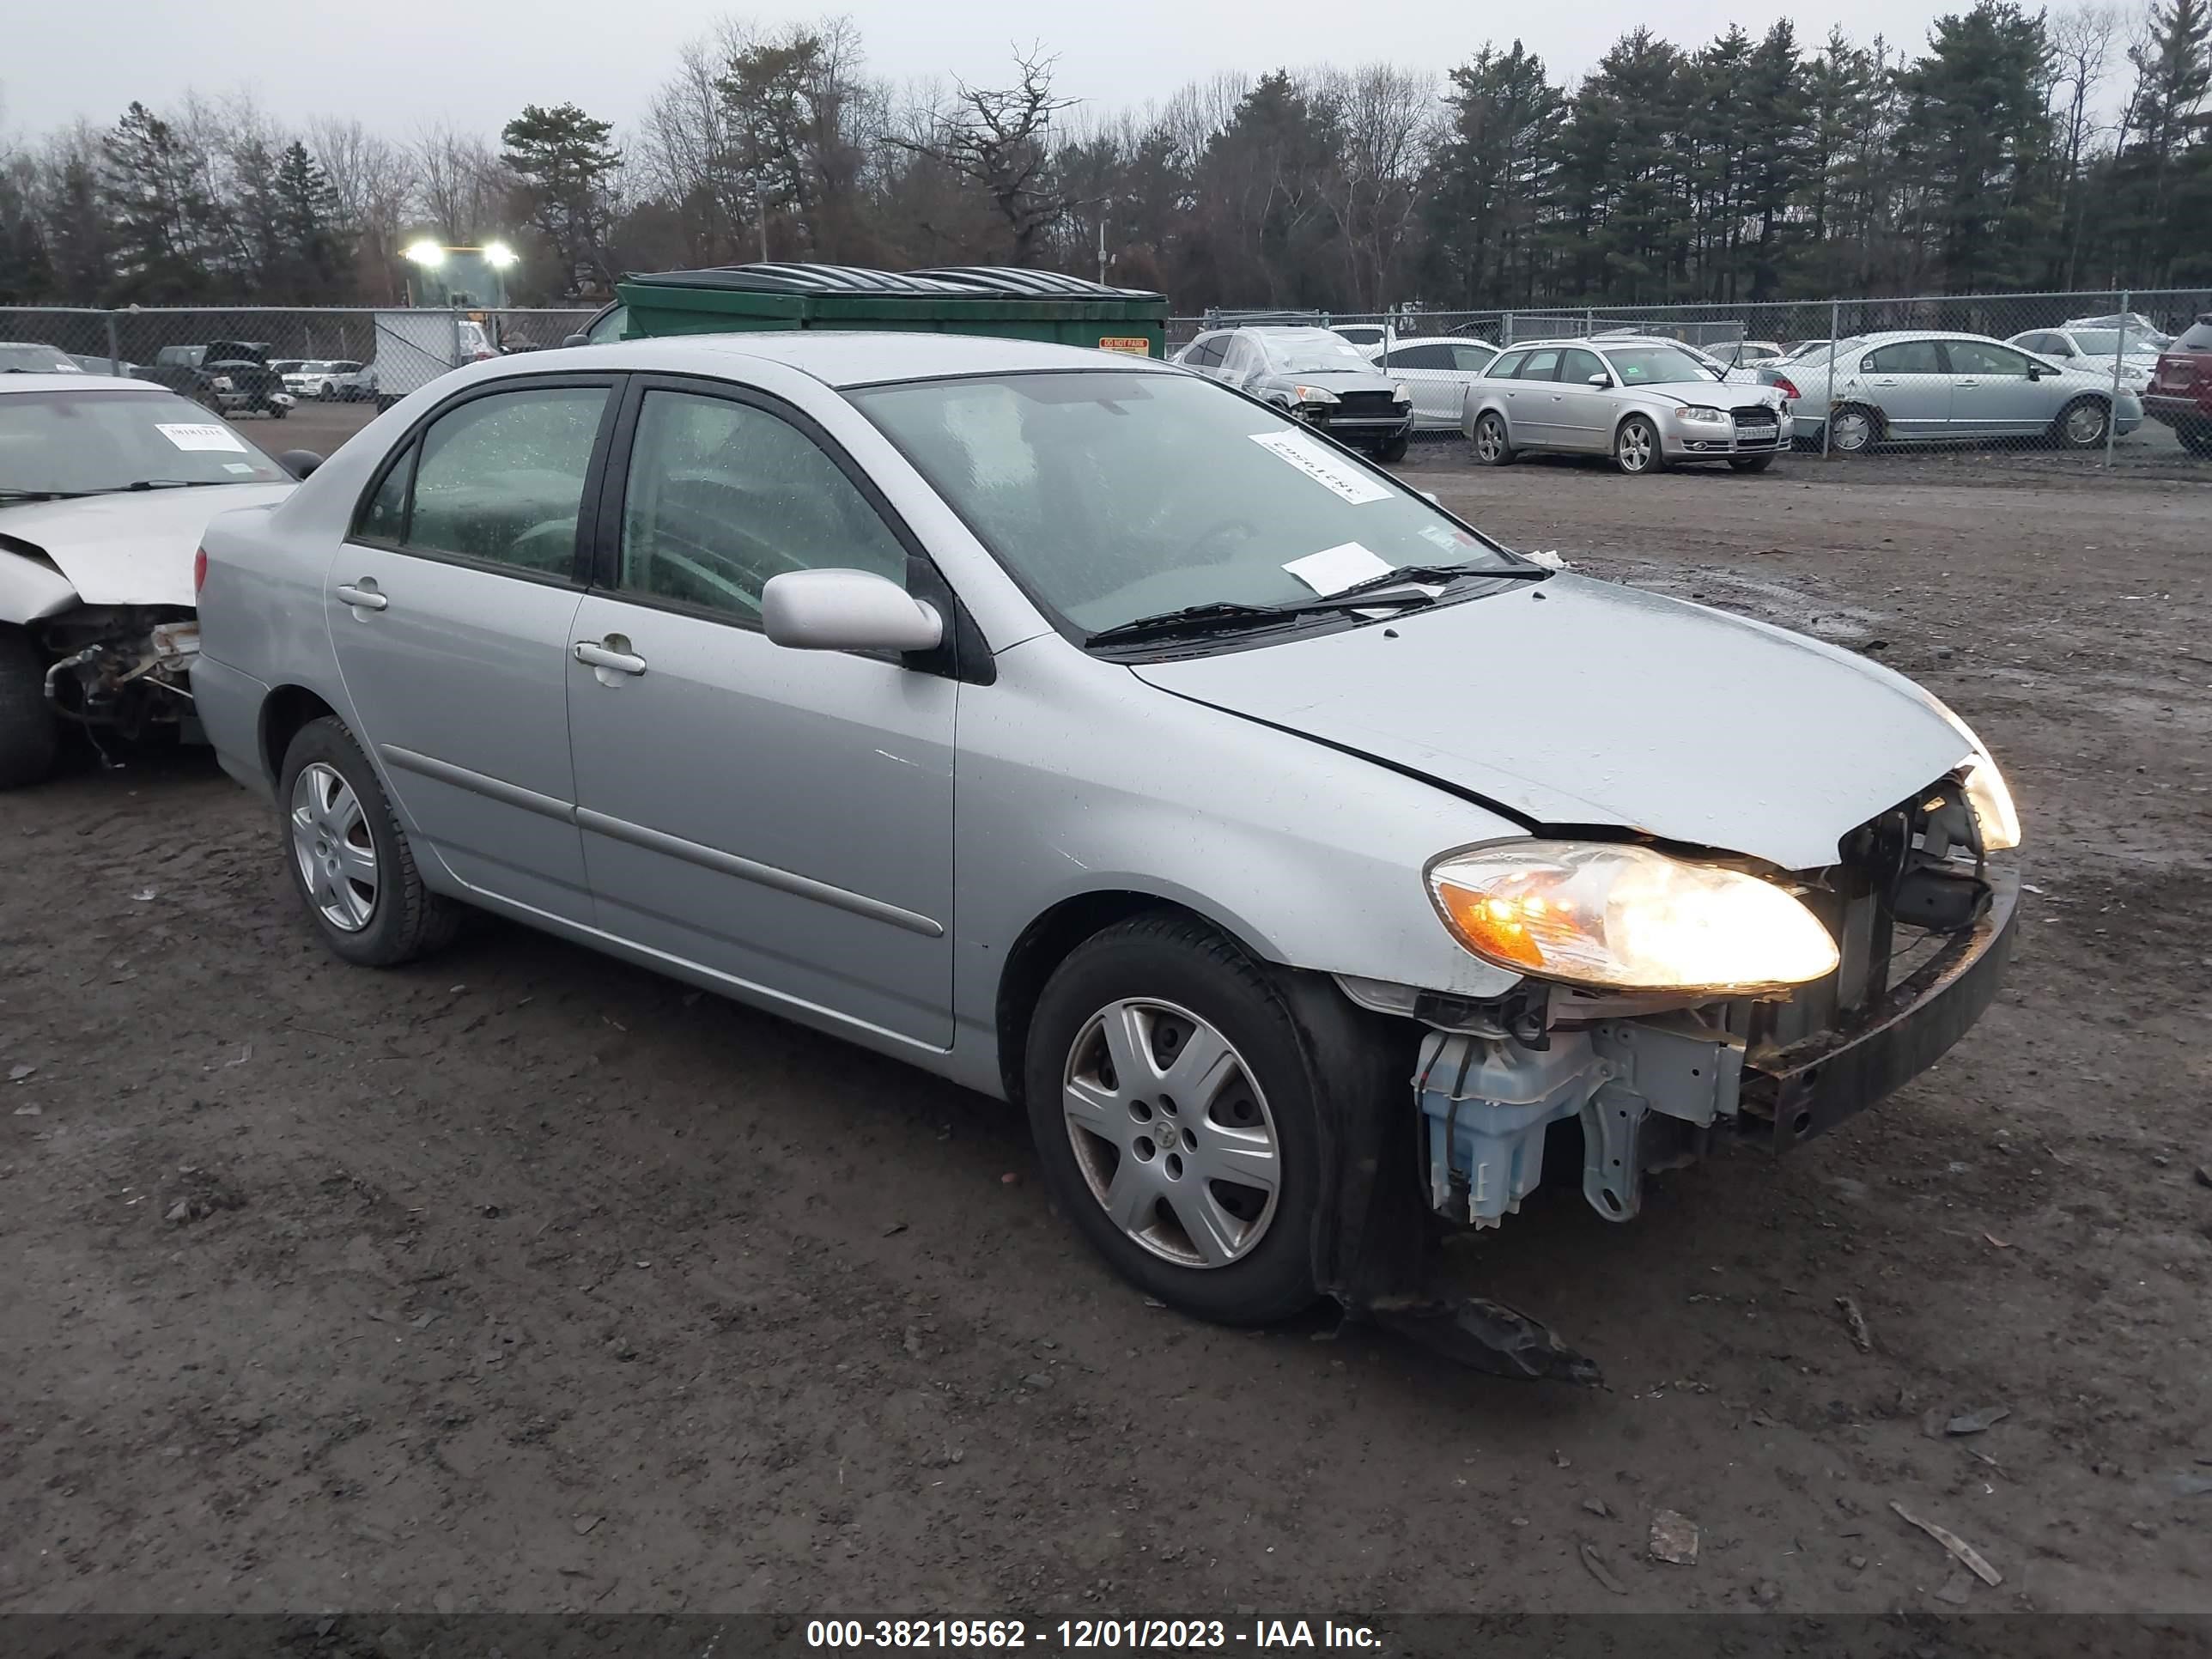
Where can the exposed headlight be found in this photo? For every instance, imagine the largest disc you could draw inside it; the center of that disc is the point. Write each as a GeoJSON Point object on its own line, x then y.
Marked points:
{"type": "Point", "coordinates": [1399, 394]}
{"type": "Point", "coordinates": [1698, 414]}
{"type": "Point", "coordinates": [1987, 792]}
{"type": "Point", "coordinates": [1624, 917]}
{"type": "Point", "coordinates": [1314, 394]}
{"type": "Point", "coordinates": [222, 383]}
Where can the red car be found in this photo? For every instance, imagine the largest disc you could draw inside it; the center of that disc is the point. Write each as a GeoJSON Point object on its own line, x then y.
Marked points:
{"type": "Point", "coordinates": [2180, 393]}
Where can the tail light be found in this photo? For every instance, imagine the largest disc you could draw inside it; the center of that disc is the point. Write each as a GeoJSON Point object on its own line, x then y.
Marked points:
{"type": "Point", "coordinates": [1787, 388]}
{"type": "Point", "coordinates": [199, 571]}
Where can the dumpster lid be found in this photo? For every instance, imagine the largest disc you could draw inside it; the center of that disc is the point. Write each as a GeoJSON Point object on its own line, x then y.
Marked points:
{"type": "Point", "coordinates": [979, 282]}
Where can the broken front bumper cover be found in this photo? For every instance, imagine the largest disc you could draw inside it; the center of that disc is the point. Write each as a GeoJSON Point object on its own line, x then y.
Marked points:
{"type": "Point", "coordinates": [1813, 1084]}
{"type": "Point", "coordinates": [1648, 1092]}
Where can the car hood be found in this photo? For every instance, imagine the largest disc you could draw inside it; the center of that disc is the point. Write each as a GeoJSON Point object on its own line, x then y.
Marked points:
{"type": "Point", "coordinates": [1340, 379]}
{"type": "Point", "coordinates": [134, 548]}
{"type": "Point", "coordinates": [1578, 702]}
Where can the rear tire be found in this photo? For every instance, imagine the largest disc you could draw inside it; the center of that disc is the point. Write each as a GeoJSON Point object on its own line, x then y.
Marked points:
{"type": "Point", "coordinates": [30, 737]}
{"type": "Point", "coordinates": [1751, 464]}
{"type": "Point", "coordinates": [328, 792]}
{"type": "Point", "coordinates": [1493, 444]}
{"type": "Point", "coordinates": [1162, 985]}
{"type": "Point", "coordinates": [1854, 431]}
{"type": "Point", "coordinates": [1635, 449]}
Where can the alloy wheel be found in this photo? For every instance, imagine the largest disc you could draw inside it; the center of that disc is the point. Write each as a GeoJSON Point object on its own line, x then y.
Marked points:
{"type": "Point", "coordinates": [1171, 1133]}
{"type": "Point", "coordinates": [333, 845]}
{"type": "Point", "coordinates": [1489, 438]}
{"type": "Point", "coordinates": [1634, 447]}
{"type": "Point", "coordinates": [2085, 425]}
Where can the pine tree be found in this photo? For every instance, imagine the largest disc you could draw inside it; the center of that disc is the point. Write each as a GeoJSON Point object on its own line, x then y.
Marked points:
{"type": "Point", "coordinates": [166, 226]}
{"type": "Point", "coordinates": [319, 251]}
{"type": "Point", "coordinates": [567, 164]}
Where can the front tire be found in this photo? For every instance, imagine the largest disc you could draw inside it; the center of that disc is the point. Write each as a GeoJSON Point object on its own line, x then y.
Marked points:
{"type": "Point", "coordinates": [1636, 448]}
{"type": "Point", "coordinates": [1751, 464]}
{"type": "Point", "coordinates": [29, 737]}
{"type": "Point", "coordinates": [350, 860]}
{"type": "Point", "coordinates": [1494, 445]}
{"type": "Point", "coordinates": [2081, 423]}
{"type": "Point", "coordinates": [1393, 450]}
{"type": "Point", "coordinates": [1176, 1114]}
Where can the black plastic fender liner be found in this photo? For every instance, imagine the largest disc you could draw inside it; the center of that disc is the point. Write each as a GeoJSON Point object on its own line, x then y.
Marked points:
{"type": "Point", "coordinates": [1374, 1236]}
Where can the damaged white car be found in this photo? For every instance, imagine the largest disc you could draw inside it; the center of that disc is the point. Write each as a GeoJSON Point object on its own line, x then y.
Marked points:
{"type": "Point", "coordinates": [105, 488]}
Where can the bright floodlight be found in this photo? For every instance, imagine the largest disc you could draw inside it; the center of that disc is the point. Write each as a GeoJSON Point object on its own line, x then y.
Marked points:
{"type": "Point", "coordinates": [425, 252]}
{"type": "Point", "coordinates": [499, 256]}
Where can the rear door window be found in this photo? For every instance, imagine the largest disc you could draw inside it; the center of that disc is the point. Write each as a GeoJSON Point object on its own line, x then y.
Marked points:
{"type": "Point", "coordinates": [1540, 365]}
{"type": "Point", "coordinates": [1904, 357]}
{"type": "Point", "coordinates": [500, 478]}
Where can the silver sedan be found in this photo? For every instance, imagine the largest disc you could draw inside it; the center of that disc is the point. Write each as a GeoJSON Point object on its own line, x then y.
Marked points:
{"type": "Point", "coordinates": [1080, 731]}
{"type": "Point", "coordinates": [1649, 404]}
{"type": "Point", "coordinates": [1924, 386]}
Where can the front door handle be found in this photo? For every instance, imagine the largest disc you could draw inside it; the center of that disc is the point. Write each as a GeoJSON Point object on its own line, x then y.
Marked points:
{"type": "Point", "coordinates": [361, 595]}
{"type": "Point", "coordinates": [611, 652]}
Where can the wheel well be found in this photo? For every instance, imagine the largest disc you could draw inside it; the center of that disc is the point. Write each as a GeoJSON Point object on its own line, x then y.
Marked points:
{"type": "Point", "coordinates": [1043, 945]}
{"type": "Point", "coordinates": [283, 713]}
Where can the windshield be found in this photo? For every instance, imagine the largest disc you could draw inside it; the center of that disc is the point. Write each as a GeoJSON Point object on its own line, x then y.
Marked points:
{"type": "Point", "coordinates": [1115, 495]}
{"type": "Point", "coordinates": [1656, 365]}
{"type": "Point", "coordinates": [1313, 354]}
{"type": "Point", "coordinates": [83, 442]}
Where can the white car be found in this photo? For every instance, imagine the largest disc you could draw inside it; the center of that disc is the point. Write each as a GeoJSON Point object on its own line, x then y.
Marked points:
{"type": "Point", "coordinates": [1372, 338]}
{"type": "Point", "coordinates": [1926, 386]}
{"type": "Point", "coordinates": [2093, 350]}
{"type": "Point", "coordinates": [323, 378]}
{"type": "Point", "coordinates": [106, 488]}
{"type": "Point", "coordinates": [1438, 370]}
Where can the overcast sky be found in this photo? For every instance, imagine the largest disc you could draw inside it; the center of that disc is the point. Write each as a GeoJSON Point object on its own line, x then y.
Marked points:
{"type": "Point", "coordinates": [399, 65]}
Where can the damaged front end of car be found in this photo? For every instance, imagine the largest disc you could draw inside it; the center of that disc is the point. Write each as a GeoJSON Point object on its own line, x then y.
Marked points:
{"type": "Point", "coordinates": [1915, 930]}
{"type": "Point", "coordinates": [125, 669]}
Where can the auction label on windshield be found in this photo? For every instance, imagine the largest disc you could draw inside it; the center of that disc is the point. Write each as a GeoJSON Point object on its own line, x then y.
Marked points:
{"type": "Point", "coordinates": [1323, 468]}
{"type": "Point", "coordinates": [211, 434]}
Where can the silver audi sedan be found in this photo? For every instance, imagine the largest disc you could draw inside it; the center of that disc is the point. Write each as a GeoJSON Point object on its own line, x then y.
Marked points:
{"type": "Point", "coordinates": [1649, 404]}
{"type": "Point", "coordinates": [1082, 731]}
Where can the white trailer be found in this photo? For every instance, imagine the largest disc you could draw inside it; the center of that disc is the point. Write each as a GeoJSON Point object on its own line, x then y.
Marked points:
{"type": "Point", "coordinates": [414, 347]}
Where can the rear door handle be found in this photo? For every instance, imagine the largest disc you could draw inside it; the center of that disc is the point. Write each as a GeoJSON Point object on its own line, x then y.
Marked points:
{"type": "Point", "coordinates": [361, 596]}
{"type": "Point", "coordinates": [604, 654]}
{"type": "Point", "coordinates": [1970, 383]}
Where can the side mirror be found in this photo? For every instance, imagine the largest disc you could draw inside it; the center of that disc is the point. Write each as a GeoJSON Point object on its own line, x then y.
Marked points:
{"type": "Point", "coordinates": [577, 339]}
{"type": "Point", "coordinates": [846, 610]}
{"type": "Point", "coordinates": [1601, 380]}
{"type": "Point", "coordinates": [299, 462]}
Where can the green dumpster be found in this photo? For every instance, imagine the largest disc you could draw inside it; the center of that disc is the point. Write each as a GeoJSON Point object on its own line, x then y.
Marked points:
{"type": "Point", "coordinates": [1022, 305]}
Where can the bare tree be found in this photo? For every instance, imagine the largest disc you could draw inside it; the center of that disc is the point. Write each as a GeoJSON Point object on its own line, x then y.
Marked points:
{"type": "Point", "coordinates": [999, 140]}
{"type": "Point", "coordinates": [1389, 120]}
{"type": "Point", "coordinates": [374, 180]}
{"type": "Point", "coordinates": [461, 191]}
{"type": "Point", "coordinates": [2081, 47]}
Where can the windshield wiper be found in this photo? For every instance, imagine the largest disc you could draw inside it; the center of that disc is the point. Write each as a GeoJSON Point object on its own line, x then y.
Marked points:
{"type": "Point", "coordinates": [1441, 572]}
{"type": "Point", "coordinates": [161, 483]}
{"type": "Point", "coordinates": [12, 493]}
{"type": "Point", "coordinates": [1225, 616]}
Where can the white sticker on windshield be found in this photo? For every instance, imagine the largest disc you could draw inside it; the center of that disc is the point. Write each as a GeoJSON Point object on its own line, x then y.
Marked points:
{"type": "Point", "coordinates": [1323, 468]}
{"type": "Point", "coordinates": [1335, 568]}
{"type": "Point", "coordinates": [211, 434]}
{"type": "Point", "coordinates": [239, 466]}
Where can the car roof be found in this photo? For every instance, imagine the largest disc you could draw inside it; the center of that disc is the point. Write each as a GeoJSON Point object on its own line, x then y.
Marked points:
{"type": "Point", "coordinates": [1405, 340]}
{"type": "Point", "coordinates": [840, 357]}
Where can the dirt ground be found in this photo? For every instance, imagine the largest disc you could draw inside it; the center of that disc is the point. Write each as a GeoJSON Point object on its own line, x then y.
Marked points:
{"type": "Point", "coordinates": [521, 1279]}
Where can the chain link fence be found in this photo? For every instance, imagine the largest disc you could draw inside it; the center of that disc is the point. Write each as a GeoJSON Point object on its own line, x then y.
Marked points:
{"type": "Point", "coordinates": [247, 360]}
{"type": "Point", "coordinates": [2088, 375]}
